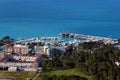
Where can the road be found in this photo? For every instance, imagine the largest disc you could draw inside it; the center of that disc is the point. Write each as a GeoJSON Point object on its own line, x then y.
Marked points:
{"type": "Point", "coordinates": [38, 73]}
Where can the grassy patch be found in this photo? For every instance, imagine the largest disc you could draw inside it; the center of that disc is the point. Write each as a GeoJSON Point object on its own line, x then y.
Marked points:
{"type": "Point", "coordinates": [67, 72]}
{"type": "Point", "coordinates": [16, 75]}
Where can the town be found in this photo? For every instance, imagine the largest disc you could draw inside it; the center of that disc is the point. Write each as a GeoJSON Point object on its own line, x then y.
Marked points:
{"type": "Point", "coordinates": [25, 54]}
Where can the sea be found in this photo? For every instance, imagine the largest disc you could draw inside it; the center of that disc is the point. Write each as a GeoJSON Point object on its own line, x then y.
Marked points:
{"type": "Point", "coordinates": [35, 18]}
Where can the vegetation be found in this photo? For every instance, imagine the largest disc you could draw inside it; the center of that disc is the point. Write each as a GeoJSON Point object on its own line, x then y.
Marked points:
{"type": "Point", "coordinates": [6, 40]}
{"type": "Point", "coordinates": [92, 58]}
{"type": "Point", "coordinates": [63, 77]}
{"type": "Point", "coordinates": [67, 72]}
{"type": "Point", "coordinates": [63, 74]}
{"type": "Point", "coordinates": [89, 60]}
{"type": "Point", "coordinates": [16, 75]}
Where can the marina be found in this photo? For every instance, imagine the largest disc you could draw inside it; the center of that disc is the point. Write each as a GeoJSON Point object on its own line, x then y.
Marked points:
{"type": "Point", "coordinates": [68, 38]}
{"type": "Point", "coordinates": [27, 52]}
{"type": "Point", "coordinates": [89, 38]}
{"type": "Point", "coordinates": [50, 40]}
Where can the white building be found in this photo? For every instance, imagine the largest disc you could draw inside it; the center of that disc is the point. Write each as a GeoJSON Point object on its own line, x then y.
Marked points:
{"type": "Point", "coordinates": [47, 50]}
{"type": "Point", "coordinates": [117, 63]}
{"type": "Point", "coordinates": [12, 69]}
{"type": "Point", "coordinates": [26, 58]}
{"type": "Point", "coordinates": [16, 64]}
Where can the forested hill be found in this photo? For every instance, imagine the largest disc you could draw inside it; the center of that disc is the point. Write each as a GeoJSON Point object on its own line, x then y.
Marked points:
{"type": "Point", "coordinates": [92, 58]}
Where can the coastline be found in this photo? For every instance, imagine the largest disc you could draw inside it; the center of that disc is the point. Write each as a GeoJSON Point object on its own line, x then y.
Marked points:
{"type": "Point", "coordinates": [35, 29]}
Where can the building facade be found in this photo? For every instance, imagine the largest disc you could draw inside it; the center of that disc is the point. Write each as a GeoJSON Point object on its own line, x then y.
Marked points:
{"type": "Point", "coordinates": [23, 49]}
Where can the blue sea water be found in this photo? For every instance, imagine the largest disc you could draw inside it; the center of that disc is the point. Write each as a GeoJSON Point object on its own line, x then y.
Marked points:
{"type": "Point", "coordinates": [31, 18]}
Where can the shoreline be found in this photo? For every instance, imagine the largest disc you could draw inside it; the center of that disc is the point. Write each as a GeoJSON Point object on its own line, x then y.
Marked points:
{"type": "Point", "coordinates": [70, 38]}
{"type": "Point", "coordinates": [54, 35]}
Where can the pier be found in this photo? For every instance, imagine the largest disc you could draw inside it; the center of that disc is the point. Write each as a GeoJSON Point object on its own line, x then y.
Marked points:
{"type": "Point", "coordinates": [75, 39]}
{"type": "Point", "coordinates": [89, 38]}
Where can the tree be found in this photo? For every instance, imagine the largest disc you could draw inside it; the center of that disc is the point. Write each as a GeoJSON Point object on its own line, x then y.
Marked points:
{"type": "Point", "coordinates": [6, 37]}
{"type": "Point", "coordinates": [96, 59]}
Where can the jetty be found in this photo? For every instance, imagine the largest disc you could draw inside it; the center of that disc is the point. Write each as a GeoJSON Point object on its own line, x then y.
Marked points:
{"type": "Point", "coordinates": [89, 38]}
{"type": "Point", "coordinates": [68, 38]}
